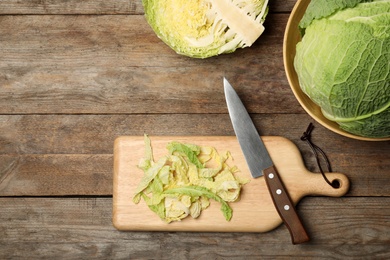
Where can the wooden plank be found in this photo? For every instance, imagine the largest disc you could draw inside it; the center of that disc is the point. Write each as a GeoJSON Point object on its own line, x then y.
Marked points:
{"type": "Point", "coordinates": [52, 151]}
{"type": "Point", "coordinates": [55, 175]}
{"type": "Point", "coordinates": [60, 175]}
{"type": "Point", "coordinates": [96, 6]}
{"type": "Point", "coordinates": [116, 64]}
{"type": "Point", "coordinates": [95, 134]}
{"type": "Point", "coordinates": [71, 7]}
{"type": "Point", "coordinates": [74, 228]}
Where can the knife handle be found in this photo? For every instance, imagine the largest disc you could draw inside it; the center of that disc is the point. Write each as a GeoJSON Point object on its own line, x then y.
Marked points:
{"type": "Point", "coordinates": [285, 206]}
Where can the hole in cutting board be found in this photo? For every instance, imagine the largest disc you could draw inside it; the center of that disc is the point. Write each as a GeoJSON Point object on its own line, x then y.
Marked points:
{"type": "Point", "coordinates": [336, 183]}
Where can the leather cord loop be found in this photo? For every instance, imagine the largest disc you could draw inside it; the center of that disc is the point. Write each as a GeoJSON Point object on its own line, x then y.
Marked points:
{"type": "Point", "coordinates": [318, 151]}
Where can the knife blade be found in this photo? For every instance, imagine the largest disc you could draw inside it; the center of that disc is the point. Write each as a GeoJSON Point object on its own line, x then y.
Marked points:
{"type": "Point", "coordinates": [260, 164]}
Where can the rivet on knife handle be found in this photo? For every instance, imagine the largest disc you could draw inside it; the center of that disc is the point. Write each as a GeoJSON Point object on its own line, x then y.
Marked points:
{"type": "Point", "coordinates": [284, 206]}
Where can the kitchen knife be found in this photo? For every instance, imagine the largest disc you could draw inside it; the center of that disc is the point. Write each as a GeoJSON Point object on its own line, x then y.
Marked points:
{"type": "Point", "coordinates": [260, 164]}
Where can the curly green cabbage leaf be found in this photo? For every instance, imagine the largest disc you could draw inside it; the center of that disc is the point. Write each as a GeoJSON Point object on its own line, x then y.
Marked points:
{"type": "Point", "coordinates": [317, 10]}
{"type": "Point", "coordinates": [181, 183]}
{"type": "Point", "coordinates": [343, 65]}
{"type": "Point", "coordinates": [205, 28]}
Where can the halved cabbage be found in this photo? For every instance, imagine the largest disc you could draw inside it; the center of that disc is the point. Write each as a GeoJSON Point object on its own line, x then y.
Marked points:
{"type": "Point", "coordinates": [205, 28]}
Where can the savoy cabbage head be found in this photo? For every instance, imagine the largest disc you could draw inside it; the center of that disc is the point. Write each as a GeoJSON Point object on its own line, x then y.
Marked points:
{"type": "Point", "coordinates": [343, 63]}
{"type": "Point", "coordinates": [205, 28]}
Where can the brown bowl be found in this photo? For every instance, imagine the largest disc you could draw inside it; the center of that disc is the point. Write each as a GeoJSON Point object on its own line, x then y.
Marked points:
{"type": "Point", "coordinates": [291, 38]}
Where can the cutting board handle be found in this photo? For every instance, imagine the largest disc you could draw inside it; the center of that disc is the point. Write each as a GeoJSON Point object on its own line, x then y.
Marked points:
{"type": "Point", "coordinates": [316, 185]}
{"type": "Point", "coordinates": [299, 181]}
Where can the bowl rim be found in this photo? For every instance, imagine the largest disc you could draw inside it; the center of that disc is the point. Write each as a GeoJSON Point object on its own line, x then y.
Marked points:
{"type": "Point", "coordinates": [288, 57]}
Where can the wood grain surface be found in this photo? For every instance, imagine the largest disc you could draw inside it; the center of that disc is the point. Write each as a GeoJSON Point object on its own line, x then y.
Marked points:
{"type": "Point", "coordinates": [75, 75]}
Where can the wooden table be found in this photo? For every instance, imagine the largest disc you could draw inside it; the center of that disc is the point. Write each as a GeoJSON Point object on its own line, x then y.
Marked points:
{"type": "Point", "coordinates": [74, 75]}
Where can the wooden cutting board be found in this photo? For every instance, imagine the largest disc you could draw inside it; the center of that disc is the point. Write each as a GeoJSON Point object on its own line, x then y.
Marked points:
{"type": "Point", "coordinates": [254, 212]}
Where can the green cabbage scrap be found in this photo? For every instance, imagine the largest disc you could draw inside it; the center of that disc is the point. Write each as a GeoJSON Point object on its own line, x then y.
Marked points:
{"type": "Point", "coordinates": [181, 183]}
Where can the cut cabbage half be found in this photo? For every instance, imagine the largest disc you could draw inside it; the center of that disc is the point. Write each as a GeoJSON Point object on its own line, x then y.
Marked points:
{"type": "Point", "coordinates": [205, 28]}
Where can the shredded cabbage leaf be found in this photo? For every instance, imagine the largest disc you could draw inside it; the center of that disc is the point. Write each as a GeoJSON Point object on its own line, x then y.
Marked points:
{"type": "Point", "coordinates": [182, 183]}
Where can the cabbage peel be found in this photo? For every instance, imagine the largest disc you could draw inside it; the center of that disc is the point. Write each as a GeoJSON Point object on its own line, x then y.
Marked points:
{"type": "Point", "coordinates": [182, 183]}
